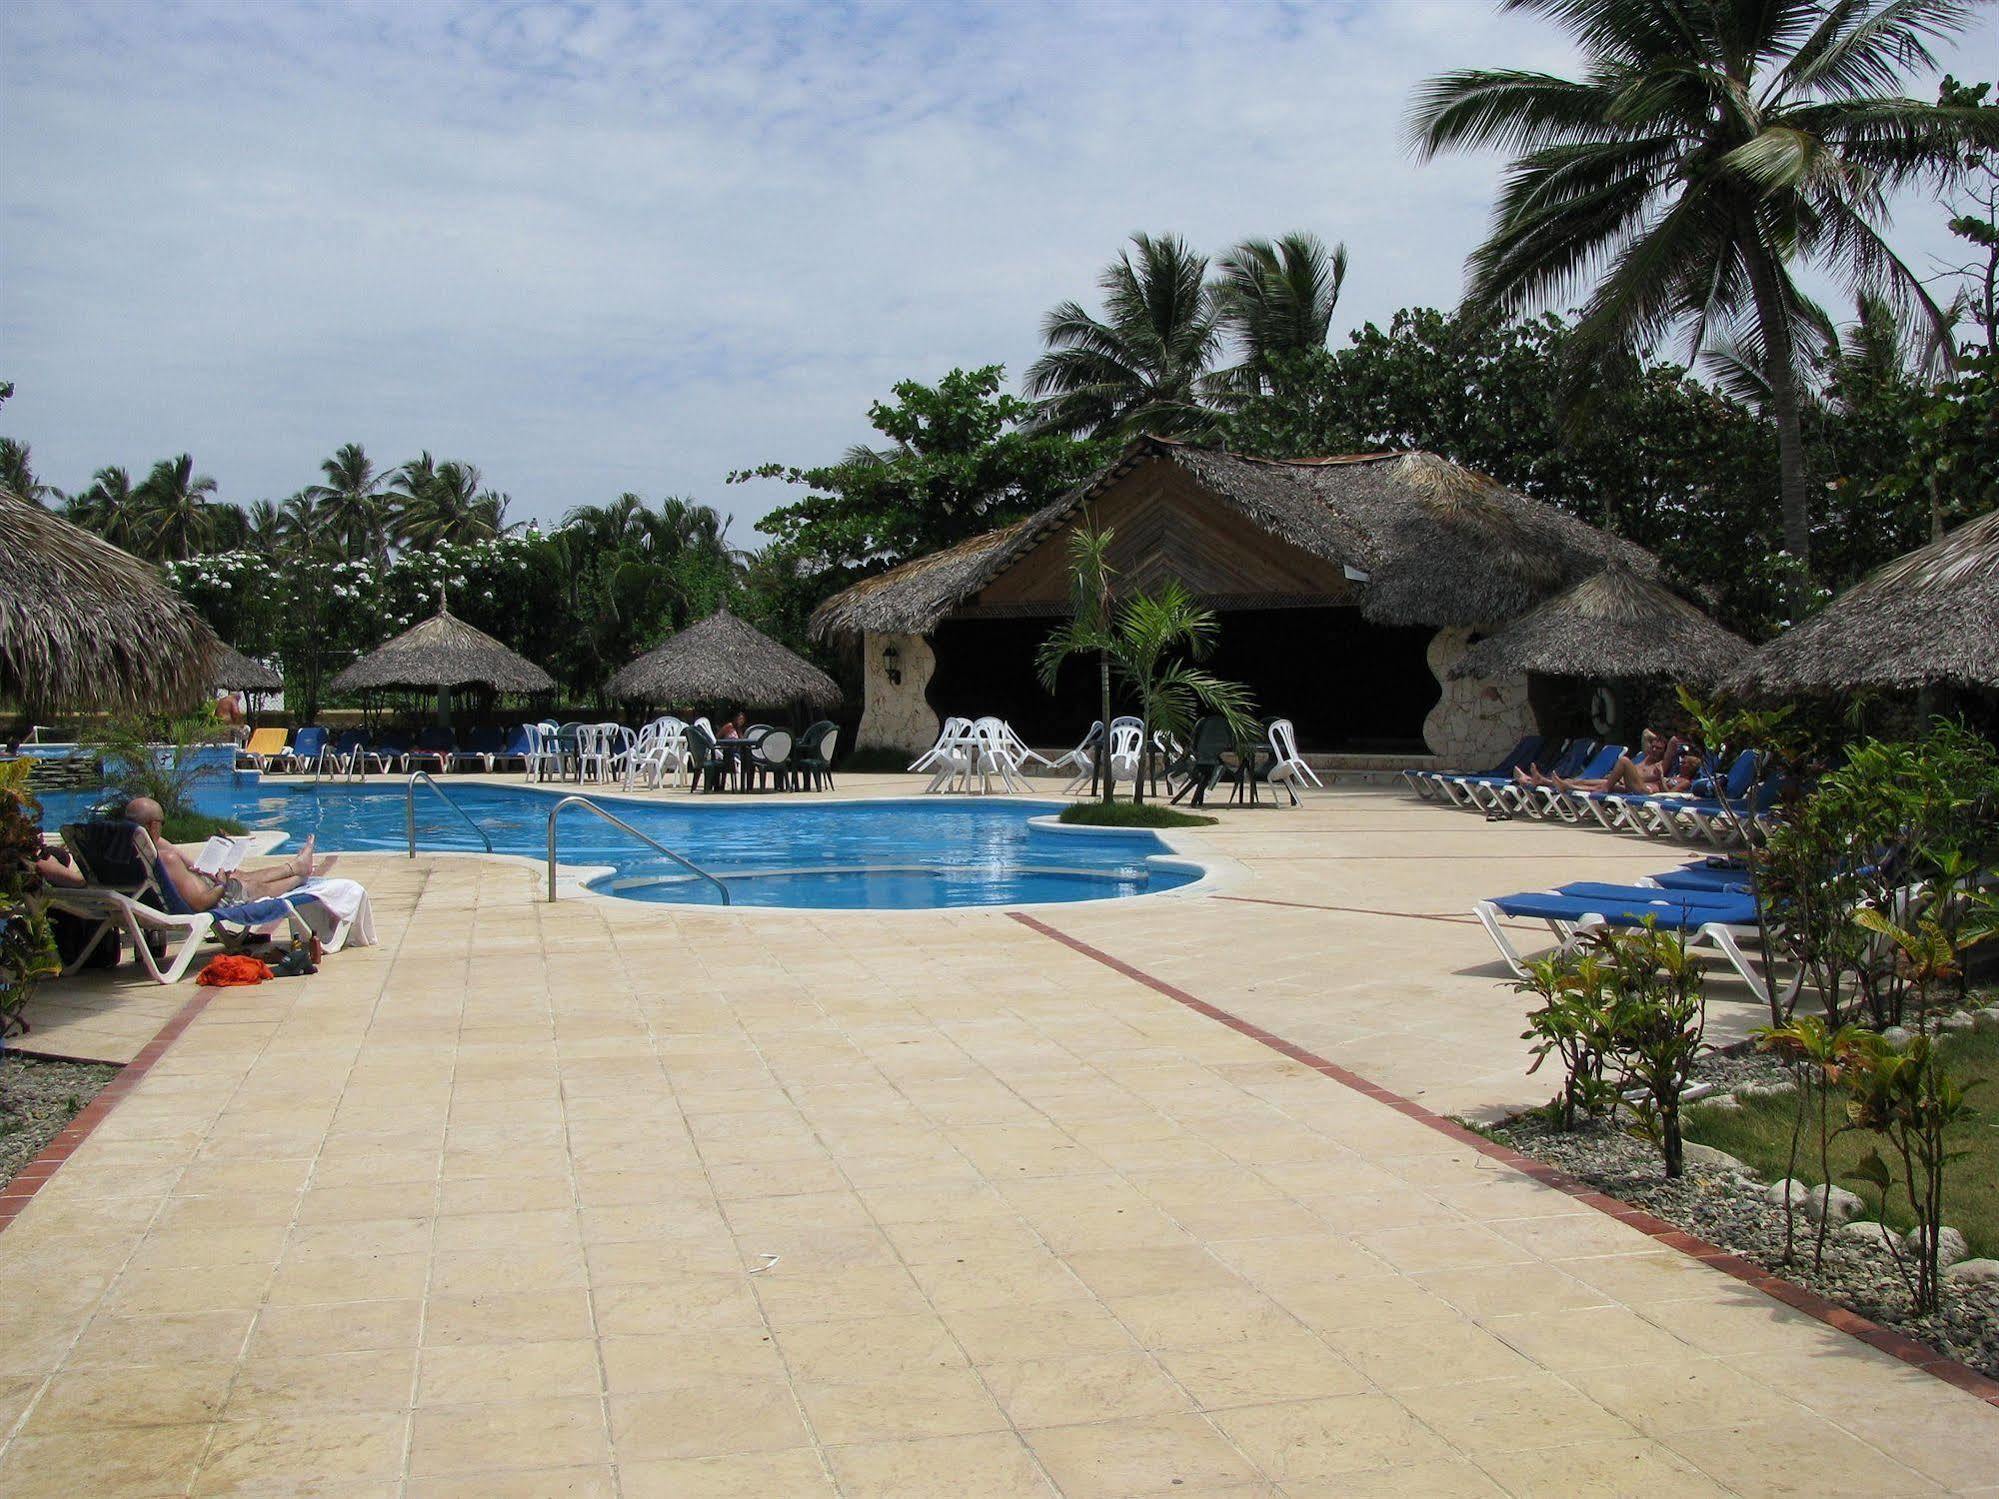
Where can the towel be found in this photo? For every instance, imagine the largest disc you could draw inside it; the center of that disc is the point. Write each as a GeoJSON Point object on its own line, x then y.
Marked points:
{"type": "Point", "coordinates": [338, 900]}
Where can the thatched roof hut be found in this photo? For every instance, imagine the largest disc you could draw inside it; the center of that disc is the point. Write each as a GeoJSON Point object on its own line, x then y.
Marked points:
{"type": "Point", "coordinates": [239, 673]}
{"type": "Point", "coordinates": [1432, 543]}
{"type": "Point", "coordinates": [723, 660]}
{"type": "Point", "coordinates": [85, 625]}
{"type": "Point", "coordinates": [1612, 625]}
{"type": "Point", "coordinates": [444, 652]}
{"type": "Point", "coordinates": [1930, 618]}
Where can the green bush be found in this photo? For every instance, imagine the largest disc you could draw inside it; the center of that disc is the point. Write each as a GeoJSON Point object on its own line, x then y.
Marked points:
{"type": "Point", "coordinates": [1131, 815]}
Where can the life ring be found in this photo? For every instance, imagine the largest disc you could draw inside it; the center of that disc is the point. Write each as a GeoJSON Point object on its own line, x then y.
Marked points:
{"type": "Point", "coordinates": [1603, 712]}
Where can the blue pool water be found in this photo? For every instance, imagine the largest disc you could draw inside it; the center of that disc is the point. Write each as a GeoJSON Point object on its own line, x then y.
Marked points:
{"type": "Point", "coordinates": [784, 852]}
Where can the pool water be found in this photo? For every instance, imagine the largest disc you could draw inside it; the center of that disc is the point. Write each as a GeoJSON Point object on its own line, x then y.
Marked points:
{"type": "Point", "coordinates": [886, 855]}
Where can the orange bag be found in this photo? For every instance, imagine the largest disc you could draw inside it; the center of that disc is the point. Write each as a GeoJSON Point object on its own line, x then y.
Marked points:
{"type": "Point", "coordinates": [231, 969]}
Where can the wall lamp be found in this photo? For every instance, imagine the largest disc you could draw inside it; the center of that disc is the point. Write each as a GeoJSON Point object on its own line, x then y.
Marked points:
{"type": "Point", "coordinates": [892, 665]}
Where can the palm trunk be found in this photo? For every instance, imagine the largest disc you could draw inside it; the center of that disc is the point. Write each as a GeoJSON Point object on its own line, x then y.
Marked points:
{"type": "Point", "coordinates": [1104, 739]}
{"type": "Point", "coordinates": [1780, 353]}
{"type": "Point", "coordinates": [1144, 757]}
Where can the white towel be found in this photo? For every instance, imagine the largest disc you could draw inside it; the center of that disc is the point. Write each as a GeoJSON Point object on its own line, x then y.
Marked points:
{"type": "Point", "coordinates": [344, 900]}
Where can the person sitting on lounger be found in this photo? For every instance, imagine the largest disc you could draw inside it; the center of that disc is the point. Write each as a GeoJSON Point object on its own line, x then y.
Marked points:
{"type": "Point", "coordinates": [201, 893]}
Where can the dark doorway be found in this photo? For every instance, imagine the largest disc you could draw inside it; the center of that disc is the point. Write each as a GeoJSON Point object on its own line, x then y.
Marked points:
{"type": "Point", "coordinates": [1348, 685]}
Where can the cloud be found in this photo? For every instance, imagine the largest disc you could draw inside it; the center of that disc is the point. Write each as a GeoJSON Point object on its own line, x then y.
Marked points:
{"type": "Point", "coordinates": [601, 246]}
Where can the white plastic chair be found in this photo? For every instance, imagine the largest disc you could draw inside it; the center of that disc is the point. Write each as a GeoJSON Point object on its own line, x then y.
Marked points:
{"type": "Point", "coordinates": [1290, 768]}
{"type": "Point", "coordinates": [1127, 742]}
{"type": "Point", "coordinates": [1082, 759]}
{"type": "Point", "coordinates": [953, 733]}
{"type": "Point", "coordinates": [544, 755]}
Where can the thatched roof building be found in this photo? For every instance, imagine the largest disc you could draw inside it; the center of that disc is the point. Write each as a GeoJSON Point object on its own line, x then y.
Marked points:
{"type": "Point", "coordinates": [1429, 542]}
{"type": "Point", "coordinates": [85, 625]}
{"type": "Point", "coordinates": [1612, 625]}
{"type": "Point", "coordinates": [444, 652]}
{"type": "Point", "coordinates": [239, 673]}
{"type": "Point", "coordinates": [1930, 618]}
{"type": "Point", "coordinates": [724, 660]}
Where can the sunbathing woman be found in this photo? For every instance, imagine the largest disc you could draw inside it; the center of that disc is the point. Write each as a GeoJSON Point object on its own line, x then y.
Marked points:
{"type": "Point", "coordinates": [1657, 768]}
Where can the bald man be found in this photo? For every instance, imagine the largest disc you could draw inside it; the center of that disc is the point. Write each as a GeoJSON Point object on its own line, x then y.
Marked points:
{"type": "Point", "coordinates": [202, 893]}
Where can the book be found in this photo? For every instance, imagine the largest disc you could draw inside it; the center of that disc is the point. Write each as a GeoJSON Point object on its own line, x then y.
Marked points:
{"type": "Point", "coordinates": [221, 855]}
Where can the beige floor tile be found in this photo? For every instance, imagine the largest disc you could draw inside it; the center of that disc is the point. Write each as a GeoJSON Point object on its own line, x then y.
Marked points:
{"type": "Point", "coordinates": [134, 1395]}
{"type": "Point", "coordinates": [932, 1403]}
{"type": "Point", "coordinates": [343, 1327]}
{"type": "Point", "coordinates": [688, 1304]}
{"type": "Point", "coordinates": [748, 1476]}
{"type": "Point", "coordinates": [1283, 1365]}
{"type": "Point", "coordinates": [1007, 1277]}
{"type": "Point", "coordinates": [1070, 1390]}
{"type": "Point", "coordinates": [1628, 1469]}
{"type": "Point", "coordinates": [1156, 1455]}
{"type": "Point", "coordinates": [645, 1365]}
{"type": "Point", "coordinates": [375, 1380]}
{"type": "Point", "coordinates": [838, 1295]}
{"type": "Point", "coordinates": [295, 1451]}
{"type": "Point", "coordinates": [1452, 1479]}
{"type": "Point", "coordinates": [593, 1482]}
{"type": "Point", "coordinates": [522, 1434]}
{"type": "Point", "coordinates": [716, 1418]}
{"type": "Point", "coordinates": [1594, 1337]}
{"type": "Point", "coordinates": [1796, 1457]}
{"type": "Point", "coordinates": [1310, 1441]}
{"type": "Point", "coordinates": [520, 1317]}
{"type": "Point", "coordinates": [1449, 1351]}
{"type": "Point", "coordinates": [1513, 1415]}
{"type": "Point", "coordinates": [1149, 1272]}
{"type": "Point", "coordinates": [1202, 1319]}
{"type": "Point", "coordinates": [254, 1245]}
{"type": "Point", "coordinates": [373, 1277]}
{"type": "Point", "coordinates": [992, 1465]}
{"type": "Point", "coordinates": [471, 1373]}
{"type": "Point", "coordinates": [868, 1349]}
{"type": "Point", "coordinates": [192, 1337]}
{"type": "Point", "coordinates": [1007, 1335]}
{"type": "Point", "coordinates": [108, 1463]}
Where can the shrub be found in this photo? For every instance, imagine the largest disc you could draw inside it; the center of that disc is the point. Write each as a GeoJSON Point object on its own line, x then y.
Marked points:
{"type": "Point", "coordinates": [1131, 815]}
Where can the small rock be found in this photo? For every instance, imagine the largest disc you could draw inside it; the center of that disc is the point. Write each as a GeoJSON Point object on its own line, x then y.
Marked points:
{"type": "Point", "coordinates": [1835, 1204]}
{"type": "Point", "coordinates": [1709, 1159]}
{"type": "Point", "coordinates": [1960, 1021]}
{"type": "Point", "coordinates": [1986, 1019]}
{"type": "Point", "coordinates": [1951, 1246]}
{"type": "Point", "coordinates": [1973, 1273]}
{"type": "Point", "coordinates": [1898, 1036]}
{"type": "Point", "coordinates": [1722, 1103]}
{"type": "Point", "coordinates": [1865, 1231]}
{"type": "Point", "coordinates": [1775, 1087]}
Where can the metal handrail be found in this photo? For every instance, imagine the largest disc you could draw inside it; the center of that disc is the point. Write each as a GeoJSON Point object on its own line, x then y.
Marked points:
{"type": "Point", "coordinates": [616, 821]}
{"type": "Point", "coordinates": [409, 810]}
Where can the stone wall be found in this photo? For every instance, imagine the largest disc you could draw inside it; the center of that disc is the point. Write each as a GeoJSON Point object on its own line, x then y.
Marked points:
{"type": "Point", "coordinates": [896, 716]}
{"type": "Point", "coordinates": [1478, 719]}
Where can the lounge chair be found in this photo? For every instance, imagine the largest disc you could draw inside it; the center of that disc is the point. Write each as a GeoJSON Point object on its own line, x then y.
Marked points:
{"type": "Point", "coordinates": [1502, 794]}
{"type": "Point", "coordinates": [265, 749]}
{"type": "Point", "coordinates": [1720, 920]}
{"type": "Point", "coordinates": [433, 749]}
{"type": "Point", "coordinates": [1430, 784]}
{"type": "Point", "coordinates": [309, 749]}
{"type": "Point", "coordinates": [479, 751]}
{"type": "Point", "coordinates": [1557, 801]}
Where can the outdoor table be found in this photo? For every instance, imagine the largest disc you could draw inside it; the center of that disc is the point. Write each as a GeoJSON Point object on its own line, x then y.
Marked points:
{"type": "Point", "coordinates": [734, 756]}
{"type": "Point", "coordinates": [1244, 756]}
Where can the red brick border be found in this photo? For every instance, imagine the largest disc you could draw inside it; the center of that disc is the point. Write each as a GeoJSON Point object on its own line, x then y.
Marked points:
{"type": "Point", "coordinates": [1899, 1345]}
{"type": "Point", "coordinates": [16, 1193]}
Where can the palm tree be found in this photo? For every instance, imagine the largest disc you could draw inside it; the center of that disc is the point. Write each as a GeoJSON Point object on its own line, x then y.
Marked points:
{"type": "Point", "coordinates": [175, 518]}
{"type": "Point", "coordinates": [263, 527]}
{"type": "Point", "coordinates": [1088, 631]}
{"type": "Point", "coordinates": [352, 502]}
{"type": "Point", "coordinates": [1708, 149]}
{"type": "Point", "coordinates": [17, 473]}
{"type": "Point", "coordinates": [111, 507]}
{"type": "Point", "coordinates": [439, 503]}
{"type": "Point", "coordinates": [1144, 366]}
{"type": "Point", "coordinates": [1155, 642]}
{"type": "Point", "coordinates": [1278, 300]}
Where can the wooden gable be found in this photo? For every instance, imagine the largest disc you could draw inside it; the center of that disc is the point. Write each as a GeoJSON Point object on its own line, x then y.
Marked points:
{"type": "Point", "coordinates": [1165, 525]}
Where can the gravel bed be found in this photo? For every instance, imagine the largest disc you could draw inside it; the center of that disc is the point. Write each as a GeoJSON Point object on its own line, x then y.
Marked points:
{"type": "Point", "coordinates": [1729, 1210]}
{"type": "Point", "coordinates": [37, 1098]}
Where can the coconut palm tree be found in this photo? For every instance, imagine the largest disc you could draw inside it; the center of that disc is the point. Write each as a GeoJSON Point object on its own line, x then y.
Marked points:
{"type": "Point", "coordinates": [1277, 298]}
{"type": "Point", "coordinates": [353, 503]}
{"type": "Point", "coordinates": [442, 502]}
{"type": "Point", "coordinates": [263, 527]}
{"type": "Point", "coordinates": [175, 519]}
{"type": "Point", "coordinates": [1156, 641]}
{"type": "Point", "coordinates": [17, 472]}
{"type": "Point", "coordinates": [1707, 151]}
{"type": "Point", "coordinates": [1142, 367]}
{"type": "Point", "coordinates": [1090, 630]}
{"type": "Point", "coordinates": [111, 508]}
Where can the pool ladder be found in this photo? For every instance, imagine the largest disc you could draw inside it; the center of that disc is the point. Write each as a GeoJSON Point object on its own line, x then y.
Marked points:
{"type": "Point", "coordinates": [619, 822]}
{"type": "Point", "coordinates": [409, 810]}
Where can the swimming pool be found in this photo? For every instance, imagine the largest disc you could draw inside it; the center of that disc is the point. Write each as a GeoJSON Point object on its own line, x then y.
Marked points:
{"type": "Point", "coordinates": [819, 855]}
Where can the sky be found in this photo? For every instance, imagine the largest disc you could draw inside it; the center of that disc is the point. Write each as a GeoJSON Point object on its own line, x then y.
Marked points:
{"type": "Point", "coordinates": [594, 247]}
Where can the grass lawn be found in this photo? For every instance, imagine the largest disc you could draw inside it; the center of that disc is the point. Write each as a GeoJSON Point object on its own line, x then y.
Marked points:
{"type": "Point", "coordinates": [1759, 1133]}
{"type": "Point", "coordinates": [1132, 815]}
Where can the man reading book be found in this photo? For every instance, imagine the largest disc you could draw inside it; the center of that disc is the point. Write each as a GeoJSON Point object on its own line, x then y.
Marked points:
{"type": "Point", "coordinates": [202, 893]}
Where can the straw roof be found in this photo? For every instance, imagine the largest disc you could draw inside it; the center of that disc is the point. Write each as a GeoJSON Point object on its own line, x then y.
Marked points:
{"type": "Point", "coordinates": [1439, 544]}
{"type": "Point", "coordinates": [85, 625]}
{"type": "Point", "coordinates": [1613, 624]}
{"type": "Point", "coordinates": [444, 651]}
{"type": "Point", "coordinates": [238, 672]}
{"type": "Point", "coordinates": [723, 660]}
{"type": "Point", "coordinates": [1929, 618]}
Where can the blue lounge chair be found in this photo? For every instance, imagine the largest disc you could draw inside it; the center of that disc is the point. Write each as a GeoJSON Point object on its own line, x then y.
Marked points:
{"type": "Point", "coordinates": [1552, 801]}
{"type": "Point", "coordinates": [1716, 919]}
{"type": "Point", "coordinates": [434, 748]}
{"type": "Point", "coordinates": [1429, 784]}
{"type": "Point", "coordinates": [481, 750]}
{"type": "Point", "coordinates": [308, 747]}
{"type": "Point", "coordinates": [1500, 793]}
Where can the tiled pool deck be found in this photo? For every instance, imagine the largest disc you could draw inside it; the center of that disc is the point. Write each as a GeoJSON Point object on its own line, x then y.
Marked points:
{"type": "Point", "coordinates": [602, 1198]}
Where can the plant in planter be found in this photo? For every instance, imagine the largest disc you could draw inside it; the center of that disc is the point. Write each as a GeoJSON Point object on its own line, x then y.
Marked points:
{"type": "Point", "coordinates": [1817, 1055]}
{"type": "Point", "coordinates": [1572, 1022]}
{"type": "Point", "coordinates": [27, 947]}
{"type": "Point", "coordinates": [1658, 1017]}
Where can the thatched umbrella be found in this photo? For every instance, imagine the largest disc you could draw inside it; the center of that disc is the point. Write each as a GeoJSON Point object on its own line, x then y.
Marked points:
{"type": "Point", "coordinates": [84, 625]}
{"type": "Point", "coordinates": [723, 660]}
{"type": "Point", "coordinates": [239, 673]}
{"type": "Point", "coordinates": [442, 653]}
{"type": "Point", "coordinates": [1613, 625]}
{"type": "Point", "coordinates": [1927, 619]}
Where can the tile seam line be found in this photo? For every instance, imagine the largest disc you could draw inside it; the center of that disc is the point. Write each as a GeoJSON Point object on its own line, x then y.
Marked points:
{"type": "Point", "coordinates": [17, 1193]}
{"type": "Point", "coordinates": [1897, 1345]}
